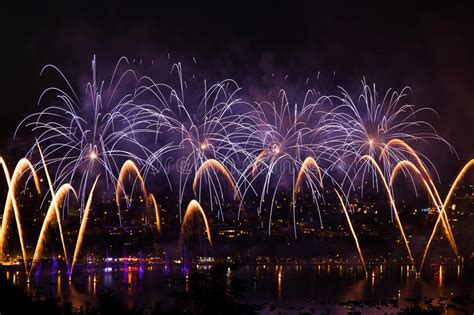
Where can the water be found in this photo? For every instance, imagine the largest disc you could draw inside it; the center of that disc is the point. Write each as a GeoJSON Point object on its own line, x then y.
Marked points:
{"type": "Point", "coordinates": [288, 288]}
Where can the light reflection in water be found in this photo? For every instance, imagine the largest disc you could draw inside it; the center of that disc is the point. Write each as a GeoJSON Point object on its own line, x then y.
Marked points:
{"type": "Point", "coordinates": [89, 283]}
{"type": "Point", "coordinates": [187, 282]}
{"type": "Point", "coordinates": [303, 283]}
{"type": "Point", "coordinates": [279, 283]}
{"type": "Point", "coordinates": [58, 284]}
{"type": "Point", "coordinates": [129, 280]}
{"type": "Point", "coordinates": [228, 278]}
{"type": "Point", "coordinates": [440, 275]}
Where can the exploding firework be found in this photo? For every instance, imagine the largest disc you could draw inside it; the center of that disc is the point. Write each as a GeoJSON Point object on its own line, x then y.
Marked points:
{"type": "Point", "coordinates": [218, 140]}
{"type": "Point", "coordinates": [196, 129]}
{"type": "Point", "coordinates": [286, 140]}
{"type": "Point", "coordinates": [83, 136]}
{"type": "Point", "coordinates": [367, 125]}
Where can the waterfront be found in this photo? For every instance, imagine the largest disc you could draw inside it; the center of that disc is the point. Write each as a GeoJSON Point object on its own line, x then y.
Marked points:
{"type": "Point", "coordinates": [288, 288]}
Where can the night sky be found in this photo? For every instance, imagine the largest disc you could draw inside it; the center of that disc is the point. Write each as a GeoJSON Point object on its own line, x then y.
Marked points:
{"type": "Point", "coordinates": [392, 44]}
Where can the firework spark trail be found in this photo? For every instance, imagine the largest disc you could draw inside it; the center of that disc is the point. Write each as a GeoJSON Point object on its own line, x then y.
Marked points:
{"type": "Point", "coordinates": [258, 160]}
{"type": "Point", "coordinates": [308, 162]}
{"type": "Point", "coordinates": [129, 167]}
{"type": "Point", "coordinates": [455, 183]}
{"type": "Point", "coordinates": [393, 206]}
{"type": "Point", "coordinates": [273, 201]}
{"type": "Point", "coordinates": [54, 205]}
{"type": "Point", "coordinates": [84, 137]}
{"type": "Point", "coordinates": [366, 126]}
{"type": "Point", "coordinates": [444, 217]}
{"type": "Point", "coordinates": [410, 165]}
{"type": "Point", "coordinates": [352, 231]}
{"type": "Point", "coordinates": [305, 166]}
{"type": "Point", "coordinates": [253, 145]}
{"type": "Point", "coordinates": [82, 229]}
{"type": "Point", "coordinates": [212, 131]}
{"type": "Point", "coordinates": [11, 203]}
{"type": "Point", "coordinates": [214, 166]}
{"type": "Point", "coordinates": [194, 208]}
{"type": "Point", "coordinates": [283, 132]}
{"type": "Point", "coordinates": [157, 212]}
{"type": "Point", "coordinates": [57, 199]}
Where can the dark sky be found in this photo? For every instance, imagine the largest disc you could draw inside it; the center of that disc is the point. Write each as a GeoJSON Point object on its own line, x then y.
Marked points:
{"type": "Point", "coordinates": [394, 45]}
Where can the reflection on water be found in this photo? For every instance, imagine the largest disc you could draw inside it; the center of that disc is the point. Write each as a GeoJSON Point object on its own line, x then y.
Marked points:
{"type": "Point", "coordinates": [317, 286]}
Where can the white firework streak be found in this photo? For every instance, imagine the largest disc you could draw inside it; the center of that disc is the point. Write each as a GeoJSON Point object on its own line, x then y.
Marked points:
{"type": "Point", "coordinates": [284, 132]}
{"type": "Point", "coordinates": [81, 138]}
{"type": "Point", "coordinates": [367, 125]}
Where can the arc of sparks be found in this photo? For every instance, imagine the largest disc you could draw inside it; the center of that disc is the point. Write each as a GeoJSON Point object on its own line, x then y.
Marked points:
{"type": "Point", "coordinates": [195, 207]}
{"type": "Point", "coordinates": [393, 205]}
{"type": "Point", "coordinates": [50, 214]}
{"type": "Point", "coordinates": [258, 161]}
{"type": "Point", "coordinates": [82, 229]}
{"type": "Point", "coordinates": [421, 165]}
{"type": "Point", "coordinates": [129, 167]}
{"type": "Point", "coordinates": [458, 178]}
{"type": "Point", "coordinates": [308, 162]}
{"type": "Point", "coordinates": [354, 235]}
{"type": "Point", "coordinates": [157, 212]}
{"type": "Point", "coordinates": [54, 205]}
{"type": "Point", "coordinates": [10, 203]}
{"type": "Point", "coordinates": [216, 166]}
{"type": "Point", "coordinates": [410, 165]}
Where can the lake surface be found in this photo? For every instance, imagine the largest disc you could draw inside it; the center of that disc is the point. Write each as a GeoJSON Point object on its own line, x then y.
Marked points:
{"type": "Point", "coordinates": [290, 288]}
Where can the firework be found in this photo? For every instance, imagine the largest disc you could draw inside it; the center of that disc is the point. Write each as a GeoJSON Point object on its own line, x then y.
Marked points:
{"type": "Point", "coordinates": [354, 235]}
{"type": "Point", "coordinates": [82, 229]}
{"type": "Point", "coordinates": [152, 200]}
{"type": "Point", "coordinates": [367, 125]}
{"type": "Point", "coordinates": [129, 168]}
{"type": "Point", "coordinates": [455, 183]}
{"type": "Point", "coordinates": [193, 209]}
{"type": "Point", "coordinates": [133, 128]}
{"type": "Point", "coordinates": [85, 135]}
{"type": "Point", "coordinates": [196, 130]}
{"type": "Point", "coordinates": [409, 165]}
{"type": "Point", "coordinates": [393, 206]}
{"type": "Point", "coordinates": [11, 203]}
{"type": "Point", "coordinates": [51, 214]}
{"type": "Point", "coordinates": [286, 138]}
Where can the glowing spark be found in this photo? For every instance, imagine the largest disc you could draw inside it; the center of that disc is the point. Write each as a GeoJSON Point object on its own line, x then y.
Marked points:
{"type": "Point", "coordinates": [50, 215]}
{"type": "Point", "coordinates": [10, 203]}
{"type": "Point", "coordinates": [394, 207]}
{"type": "Point", "coordinates": [444, 217]}
{"type": "Point", "coordinates": [194, 208]}
{"type": "Point", "coordinates": [157, 213]}
{"type": "Point", "coordinates": [129, 167]}
{"type": "Point", "coordinates": [215, 166]}
{"type": "Point", "coordinates": [352, 231]}
{"type": "Point", "coordinates": [82, 229]}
